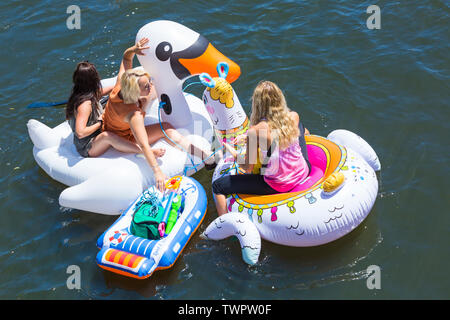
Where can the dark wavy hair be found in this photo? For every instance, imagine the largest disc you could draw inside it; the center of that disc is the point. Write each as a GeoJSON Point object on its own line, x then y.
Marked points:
{"type": "Point", "coordinates": [86, 86]}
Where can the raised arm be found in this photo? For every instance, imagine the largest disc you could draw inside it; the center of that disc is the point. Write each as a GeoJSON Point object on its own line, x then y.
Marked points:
{"type": "Point", "coordinates": [128, 55]}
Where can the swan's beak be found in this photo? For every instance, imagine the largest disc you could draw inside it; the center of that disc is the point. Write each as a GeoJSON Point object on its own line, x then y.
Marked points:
{"type": "Point", "coordinates": [207, 61]}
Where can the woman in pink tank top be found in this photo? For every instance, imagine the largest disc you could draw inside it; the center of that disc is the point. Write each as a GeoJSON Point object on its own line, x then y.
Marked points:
{"type": "Point", "coordinates": [286, 168]}
{"type": "Point", "coordinates": [275, 132]}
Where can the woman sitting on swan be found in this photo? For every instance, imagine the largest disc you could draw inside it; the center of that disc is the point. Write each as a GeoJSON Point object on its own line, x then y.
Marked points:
{"type": "Point", "coordinates": [84, 111]}
{"type": "Point", "coordinates": [124, 113]}
{"type": "Point", "coordinates": [284, 161]}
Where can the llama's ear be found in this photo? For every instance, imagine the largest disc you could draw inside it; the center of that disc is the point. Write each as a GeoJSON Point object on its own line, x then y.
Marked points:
{"type": "Point", "coordinates": [207, 80]}
{"type": "Point", "coordinates": [222, 69]}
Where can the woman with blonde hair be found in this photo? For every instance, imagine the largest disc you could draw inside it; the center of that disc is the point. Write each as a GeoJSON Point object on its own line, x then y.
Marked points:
{"type": "Point", "coordinates": [275, 132]}
{"type": "Point", "coordinates": [124, 113]}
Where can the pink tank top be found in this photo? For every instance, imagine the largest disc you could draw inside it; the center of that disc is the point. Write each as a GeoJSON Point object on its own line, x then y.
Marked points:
{"type": "Point", "coordinates": [286, 168]}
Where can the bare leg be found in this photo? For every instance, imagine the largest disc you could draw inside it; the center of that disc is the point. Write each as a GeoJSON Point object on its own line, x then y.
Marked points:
{"type": "Point", "coordinates": [155, 133]}
{"type": "Point", "coordinates": [221, 203]}
{"type": "Point", "coordinates": [107, 139]}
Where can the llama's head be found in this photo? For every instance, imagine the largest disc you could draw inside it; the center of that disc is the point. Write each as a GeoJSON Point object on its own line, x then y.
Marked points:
{"type": "Point", "coordinates": [226, 112]}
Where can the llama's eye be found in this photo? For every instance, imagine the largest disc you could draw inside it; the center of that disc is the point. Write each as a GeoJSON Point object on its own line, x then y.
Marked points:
{"type": "Point", "coordinates": [163, 51]}
{"type": "Point", "coordinates": [205, 100]}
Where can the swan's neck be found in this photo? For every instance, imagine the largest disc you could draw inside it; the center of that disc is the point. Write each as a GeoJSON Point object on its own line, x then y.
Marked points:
{"type": "Point", "coordinates": [176, 110]}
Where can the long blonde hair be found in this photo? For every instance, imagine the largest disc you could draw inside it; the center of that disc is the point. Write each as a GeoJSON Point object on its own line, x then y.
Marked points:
{"type": "Point", "coordinates": [129, 84]}
{"type": "Point", "coordinates": [268, 102]}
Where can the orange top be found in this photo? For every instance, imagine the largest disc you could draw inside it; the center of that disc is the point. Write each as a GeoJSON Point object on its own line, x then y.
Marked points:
{"type": "Point", "coordinates": [115, 112]}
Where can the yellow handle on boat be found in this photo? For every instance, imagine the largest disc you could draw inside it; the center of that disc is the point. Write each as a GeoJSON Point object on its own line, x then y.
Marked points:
{"type": "Point", "coordinates": [174, 182]}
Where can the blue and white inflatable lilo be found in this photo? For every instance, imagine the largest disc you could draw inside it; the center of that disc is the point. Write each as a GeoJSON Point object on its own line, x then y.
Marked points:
{"type": "Point", "coordinates": [124, 253]}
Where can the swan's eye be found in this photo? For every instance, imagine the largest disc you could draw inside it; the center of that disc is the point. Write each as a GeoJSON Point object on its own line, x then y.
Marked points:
{"type": "Point", "coordinates": [163, 51]}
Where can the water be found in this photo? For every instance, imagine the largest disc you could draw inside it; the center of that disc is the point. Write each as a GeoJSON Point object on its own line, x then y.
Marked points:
{"type": "Point", "coordinates": [391, 86]}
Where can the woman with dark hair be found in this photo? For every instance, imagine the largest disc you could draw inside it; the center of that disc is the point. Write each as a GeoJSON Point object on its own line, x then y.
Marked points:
{"type": "Point", "coordinates": [84, 114]}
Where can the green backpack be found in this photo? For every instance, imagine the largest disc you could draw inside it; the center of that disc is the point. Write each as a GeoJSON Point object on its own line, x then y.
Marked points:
{"type": "Point", "coordinates": [146, 220]}
{"type": "Point", "coordinates": [148, 214]}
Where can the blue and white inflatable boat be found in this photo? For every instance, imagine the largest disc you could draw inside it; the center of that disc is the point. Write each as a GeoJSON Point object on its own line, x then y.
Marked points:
{"type": "Point", "coordinates": [129, 255]}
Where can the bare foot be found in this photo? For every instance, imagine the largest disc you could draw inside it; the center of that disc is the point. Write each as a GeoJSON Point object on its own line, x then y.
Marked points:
{"type": "Point", "coordinates": [159, 152]}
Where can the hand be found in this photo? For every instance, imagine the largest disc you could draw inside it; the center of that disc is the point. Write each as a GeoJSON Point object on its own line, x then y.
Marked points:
{"type": "Point", "coordinates": [160, 179]}
{"type": "Point", "coordinates": [230, 149]}
{"type": "Point", "coordinates": [240, 139]}
{"type": "Point", "coordinates": [140, 46]}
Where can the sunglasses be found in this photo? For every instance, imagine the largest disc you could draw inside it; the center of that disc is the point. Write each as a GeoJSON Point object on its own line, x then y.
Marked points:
{"type": "Point", "coordinates": [149, 84]}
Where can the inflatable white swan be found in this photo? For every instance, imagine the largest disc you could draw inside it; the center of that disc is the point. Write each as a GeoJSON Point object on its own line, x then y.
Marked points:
{"type": "Point", "coordinates": [109, 183]}
{"type": "Point", "coordinates": [333, 200]}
